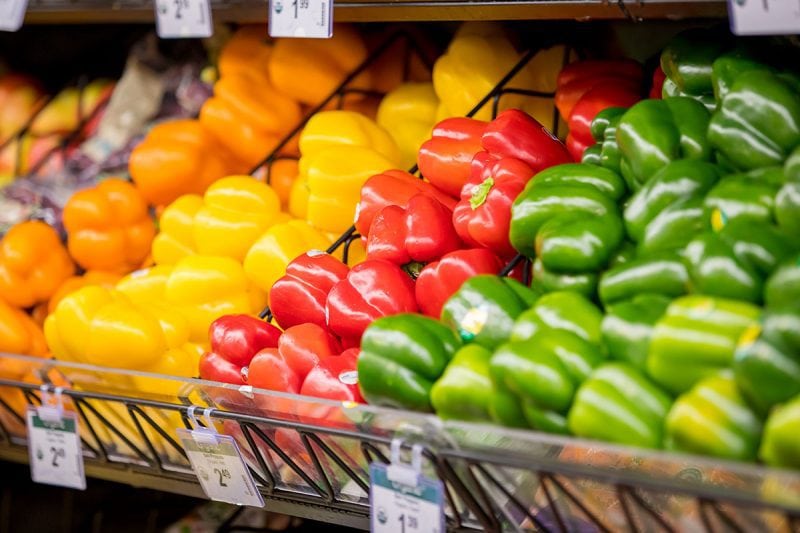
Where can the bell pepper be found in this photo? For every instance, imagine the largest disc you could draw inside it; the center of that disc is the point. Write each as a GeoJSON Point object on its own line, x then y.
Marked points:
{"type": "Point", "coordinates": [604, 131]}
{"type": "Point", "coordinates": [247, 49]}
{"type": "Point", "coordinates": [401, 358]}
{"type": "Point", "coordinates": [695, 338]}
{"type": "Point", "coordinates": [545, 281]}
{"type": "Point", "coordinates": [661, 273]}
{"type": "Point", "coordinates": [787, 201]}
{"type": "Point", "coordinates": [372, 289]}
{"type": "Point", "coordinates": [300, 295]}
{"type": "Point", "coordinates": [657, 83]}
{"type": "Point", "coordinates": [178, 157]}
{"type": "Point", "coordinates": [334, 378]}
{"type": "Point", "coordinates": [741, 197]}
{"type": "Point", "coordinates": [542, 374]}
{"type": "Point", "coordinates": [619, 404]}
{"type": "Point", "coordinates": [628, 326]}
{"type": "Point", "coordinates": [568, 217]}
{"type": "Point", "coordinates": [757, 123]}
{"type": "Point", "coordinates": [408, 113]}
{"type": "Point", "coordinates": [19, 334]}
{"type": "Point", "coordinates": [236, 211]}
{"type": "Point", "coordinates": [268, 257]}
{"type": "Point", "coordinates": [310, 69]}
{"type": "Point", "coordinates": [767, 360]}
{"type": "Point", "coordinates": [780, 445]}
{"type": "Point", "coordinates": [446, 158]}
{"type": "Point", "coordinates": [33, 264]}
{"type": "Point", "coordinates": [70, 285]}
{"type": "Point", "coordinates": [340, 151]}
{"type": "Point", "coordinates": [577, 79]}
{"type": "Point", "coordinates": [108, 226]}
{"type": "Point", "coordinates": [687, 62]}
{"type": "Point", "coordinates": [563, 310]}
{"type": "Point", "coordinates": [484, 309]}
{"type": "Point", "coordinates": [713, 419]}
{"type": "Point", "coordinates": [393, 187]}
{"type": "Point", "coordinates": [439, 280]}
{"type": "Point", "coordinates": [146, 285]}
{"type": "Point", "coordinates": [654, 132]}
{"type": "Point", "coordinates": [782, 288]}
{"type": "Point", "coordinates": [175, 239]}
{"type": "Point", "coordinates": [464, 390]}
{"type": "Point", "coordinates": [281, 175]}
{"type": "Point", "coordinates": [234, 340]}
{"type": "Point", "coordinates": [421, 232]}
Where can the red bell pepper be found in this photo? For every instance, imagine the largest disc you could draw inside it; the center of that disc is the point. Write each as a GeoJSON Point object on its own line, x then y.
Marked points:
{"type": "Point", "coordinates": [299, 296]}
{"type": "Point", "coordinates": [422, 232]}
{"type": "Point", "coordinates": [516, 134]}
{"type": "Point", "coordinates": [440, 280]}
{"type": "Point", "coordinates": [446, 157]}
{"type": "Point", "coordinates": [335, 378]}
{"type": "Point", "coordinates": [234, 340]}
{"type": "Point", "coordinates": [604, 95]}
{"type": "Point", "coordinates": [393, 187]}
{"type": "Point", "coordinates": [579, 77]}
{"type": "Point", "coordinates": [372, 289]}
{"type": "Point", "coordinates": [305, 345]}
{"type": "Point", "coordinates": [657, 84]}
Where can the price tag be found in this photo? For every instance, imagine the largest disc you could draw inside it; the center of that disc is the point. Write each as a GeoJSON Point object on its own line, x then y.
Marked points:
{"type": "Point", "coordinates": [12, 13]}
{"type": "Point", "coordinates": [402, 499]}
{"type": "Point", "coordinates": [54, 445]}
{"type": "Point", "coordinates": [301, 18]}
{"type": "Point", "coordinates": [219, 466]}
{"type": "Point", "coordinates": [764, 17]}
{"type": "Point", "coordinates": [182, 18]}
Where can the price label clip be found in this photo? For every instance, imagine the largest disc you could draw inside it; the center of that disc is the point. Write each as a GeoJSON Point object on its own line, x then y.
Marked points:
{"type": "Point", "coordinates": [12, 13]}
{"type": "Point", "coordinates": [310, 19]}
{"type": "Point", "coordinates": [177, 19]}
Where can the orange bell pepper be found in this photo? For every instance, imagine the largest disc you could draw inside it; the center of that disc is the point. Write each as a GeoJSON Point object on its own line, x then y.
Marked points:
{"type": "Point", "coordinates": [33, 264]}
{"type": "Point", "coordinates": [282, 175]}
{"type": "Point", "coordinates": [310, 69]}
{"type": "Point", "coordinates": [247, 50]}
{"type": "Point", "coordinates": [19, 334]}
{"type": "Point", "coordinates": [108, 227]}
{"type": "Point", "coordinates": [178, 157]}
{"type": "Point", "coordinates": [91, 277]}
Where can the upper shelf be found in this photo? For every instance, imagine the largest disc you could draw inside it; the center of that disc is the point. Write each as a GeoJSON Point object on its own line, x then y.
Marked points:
{"type": "Point", "coordinates": [97, 11]}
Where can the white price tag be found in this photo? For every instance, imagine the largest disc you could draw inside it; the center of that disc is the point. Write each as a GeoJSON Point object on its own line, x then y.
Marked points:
{"type": "Point", "coordinates": [12, 13]}
{"type": "Point", "coordinates": [300, 18]}
{"type": "Point", "coordinates": [183, 18]}
{"type": "Point", "coordinates": [54, 448]}
{"type": "Point", "coordinates": [764, 17]}
{"type": "Point", "coordinates": [402, 499]}
{"type": "Point", "coordinates": [219, 466]}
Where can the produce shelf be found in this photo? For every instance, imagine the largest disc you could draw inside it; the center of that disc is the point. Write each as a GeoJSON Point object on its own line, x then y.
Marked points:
{"type": "Point", "coordinates": [310, 458]}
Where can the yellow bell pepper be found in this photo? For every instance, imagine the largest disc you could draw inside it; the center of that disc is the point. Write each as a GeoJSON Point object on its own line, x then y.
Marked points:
{"type": "Point", "coordinates": [175, 239]}
{"type": "Point", "coordinates": [340, 151]}
{"type": "Point", "coordinates": [408, 113]}
{"type": "Point", "coordinates": [544, 68]}
{"type": "Point", "coordinates": [146, 285]}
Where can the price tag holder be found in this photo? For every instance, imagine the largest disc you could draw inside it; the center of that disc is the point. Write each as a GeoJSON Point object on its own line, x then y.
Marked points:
{"type": "Point", "coordinates": [312, 19]}
{"type": "Point", "coordinates": [54, 444]}
{"type": "Point", "coordinates": [177, 19]}
{"type": "Point", "coordinates": [12, 13]}
{"type": "Point", "coordinates": [764, 17]}
{"type": "Point", "coordinates": [218, 463]}
{"type": "Point", "coordinates": [402, 499]}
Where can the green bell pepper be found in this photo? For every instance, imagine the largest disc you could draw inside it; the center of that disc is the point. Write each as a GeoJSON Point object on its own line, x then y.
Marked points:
{"type": "Point", "coordinates": [780, 445]}
{"type": "Point", "coordinates": [619, 404]}
{"type": "Point", "coordinates": [688, 58]}
{"type": "Point", "coordinates": [787, 201]}
{"type": "Point", "coordinates": [757, 123]}
{"type": "Point", "coordinates": [661, 273]}
{"type": "Point", "coordinates": [464, 391]}
{"type": "Point", "coordinates": [782, 288]}
{"type": "Point", "coordinates": [670, 89]}
{"type": "Point", "coordinates": [604, 132]}
{"type": "Point", "coordinates": [542, 375]}
{"type": "Point", "coordinates": [741, 197]}
{"type": "Point", "coordinates": [484, 309]}
{"type": "Point", "coordinates": [715, 270]}
{"type": "Point", "coordinates": [767, 360]}
{"type": "Point", "coordinates": [564, 310]}
{"type": "Point", "coordinates": [654, 132]}
{"type": "Point", "coordinates": [401, 358]}
{"type": "Point", "coordinates": [545, 281]}
{"type": "Point", "coordinates": [713, 419]}
{"type": "Point", "coordinates": [592, 155]}
{"type": "Point", "coordinates": [728, 67]}
{"type": "Point", "coordinates": [628, 326]}
{"type": "Point", "coordinates": [695, 338]}
{"type": "Point", "coordinates": [760, 244]}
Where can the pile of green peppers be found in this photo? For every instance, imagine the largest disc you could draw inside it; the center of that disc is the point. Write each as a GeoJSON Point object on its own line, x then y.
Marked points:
{"type": "Point", "coordinates": [664, 306]}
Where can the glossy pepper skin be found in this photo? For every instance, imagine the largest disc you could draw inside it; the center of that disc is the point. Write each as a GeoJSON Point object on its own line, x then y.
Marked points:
{"type": "Point", "coordinates": [70, 285]}
{"type": "Point", "coordinates": [567, 216]}
{"type": "Point", "coordinates": [516, 134]}
{"type": "Point", "coordinates": [439, 280]}
{"type": "Point", "coordinates": [545, 281]}
{"type": "Point", "coordinates": [372, 289]}
{"type": "Point", "coordinates": [464, 390]}
{"type": "Point", "coordinates": [401, 358]}
{"type": "Point", "coordinates": [695, 338]}
{"type": "Point", "coordinates": [782, 288]}
{"type": "Point", "coordinates": [619, 404]}
{"type": "Point", "coordinates": [408, 113]}
{"type": "Point", "coordinates": [334, 378]}
{"type": "Point", "coordinates": [484, 309]}
{"type": "Point", "coordinates": [758, 121]}
{"type": "Point", "coordinates": [565, 311]}
{"type": "Point", "coordinates": [579, 77]}
{"type": "Point", "coordinates": [687, 62]}
{"type": "Point", "coordinates": [108, 226]}
{"type": "Point", "coordinates": [446, 158]}
{"type": "Point", "coordinates": [661, 273]}
{"type": "Point", "coordinates": [780, 445]}
{"type": "Point", "coordinates": [742, 196]}
{"type": "Point", "coordinates": [767, 360]}
{"type": "Point", "coordinates": [542, 375]}
{"type": "Point", "coordinates": [19, 334]}
{"type": "Point", "coordinates": [421, 232]}
{"type": "Point", "coordinates": [299, 296]}
{"type": "Point", "coordinates": [175, 239]}
{"type": "Point", "coordinates": [234, 340]}
{"type": "Point", "coordinates": [787, 201]}
{"type": "Point", "coordinates": [393, 187]}
{"type": "Point", "coordinates": [713, 419]}
{"type": "Point", "coordinates": [33, 264]}
{"type": "Point", "coordinates": [627, 327]}
{"type": "Point", "coordinates": [605, 151]}
{"type": "Point", "coordinates": [654, 132]}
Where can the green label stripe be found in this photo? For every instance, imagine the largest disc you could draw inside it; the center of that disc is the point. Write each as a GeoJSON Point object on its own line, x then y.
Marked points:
{"type": "Point", "coordinates": [67, 424]}
{"type": "Point", "coordinates": [220, 448]}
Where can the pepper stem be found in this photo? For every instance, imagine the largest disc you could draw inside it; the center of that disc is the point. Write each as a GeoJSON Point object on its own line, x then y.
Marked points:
{"type": "Point", "coordinates": [413, 269]}
{"type": "Point", "coordinates": [480, 193]}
